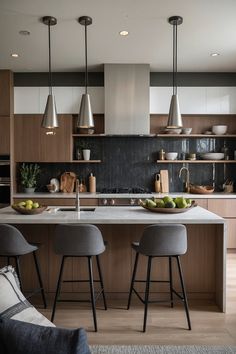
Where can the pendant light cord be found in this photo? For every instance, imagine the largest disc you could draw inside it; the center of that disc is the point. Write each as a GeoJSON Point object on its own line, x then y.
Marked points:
{"type": "Point", "coordinates": [86, 61]}
{"type": "Point", "coordinates": [49, 59]}
{"type": "Point", "coordinates": [175, 59]}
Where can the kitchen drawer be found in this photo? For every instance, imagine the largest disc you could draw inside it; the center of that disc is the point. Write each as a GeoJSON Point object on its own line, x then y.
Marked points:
{"type": "Point", "coordinates": [231, 233]}
{"type": "Point", "coordinates": [202, 203]}
{"type": "Point", "coordinates": [60, 201]}
{"type": "Point", "coordinates": [225, 208]}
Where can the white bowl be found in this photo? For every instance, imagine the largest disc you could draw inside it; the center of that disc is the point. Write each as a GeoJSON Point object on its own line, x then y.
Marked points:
{"type": "Point", "coordinates": [219, 129]}
{"type": "Point", "coordinates": [172, 130]}
{"type": "Point", "coordinates": [186, 130]}
{"type": "Point", "coordinates": [171, 155]}
{"type": "Point", "coordinates": [212, 156]}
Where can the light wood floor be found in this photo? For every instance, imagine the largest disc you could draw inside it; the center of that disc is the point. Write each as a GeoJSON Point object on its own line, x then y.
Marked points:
{"type": "Point", "coordinates": [165, 325]}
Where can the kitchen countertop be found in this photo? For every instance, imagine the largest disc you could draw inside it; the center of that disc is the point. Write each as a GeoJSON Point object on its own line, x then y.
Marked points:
{"type": "Point", "coordinates": [124, 195]}
{"type": "Point", "coordinates": [111, 215]}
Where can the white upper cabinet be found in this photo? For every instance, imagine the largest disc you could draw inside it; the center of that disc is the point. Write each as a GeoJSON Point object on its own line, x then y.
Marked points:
{"type": "Point", "coordinates": [33, 99]}
{"type": "Point", "coordinates": [192, 100]}
{"type": "Point", "coordinates": [195, 100]}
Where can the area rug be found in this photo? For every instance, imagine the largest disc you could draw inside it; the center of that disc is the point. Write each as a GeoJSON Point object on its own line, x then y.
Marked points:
{"type": "Point", "coordinates": [161, 349]}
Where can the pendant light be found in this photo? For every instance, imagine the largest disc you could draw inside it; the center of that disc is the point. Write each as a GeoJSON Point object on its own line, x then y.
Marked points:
{"type": "Point", "coordinates": [85, 117]}
{"type": "Point", "coordinates": [174, 118]}
{"type": "Point", "coordinates": [50, 120]}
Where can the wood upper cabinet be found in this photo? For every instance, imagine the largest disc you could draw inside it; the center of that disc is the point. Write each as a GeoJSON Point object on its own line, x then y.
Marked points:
{"type": "Point", "coordinates": [4, 135]}
{"type": "Point", "coordinates": [33, 145]}
{"type": "Point", "coordinates": [6, 93]}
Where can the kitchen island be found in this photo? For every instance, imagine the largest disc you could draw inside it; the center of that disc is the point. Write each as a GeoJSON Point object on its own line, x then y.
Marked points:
{"type": "Point", "coordinates": [203, 264]}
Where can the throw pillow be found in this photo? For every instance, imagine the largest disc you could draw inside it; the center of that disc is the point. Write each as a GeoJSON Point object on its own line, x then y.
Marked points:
{"type": "Point", "coordinates": [13, 304]}
{"type": "Point", "coordinates": [18, 337]}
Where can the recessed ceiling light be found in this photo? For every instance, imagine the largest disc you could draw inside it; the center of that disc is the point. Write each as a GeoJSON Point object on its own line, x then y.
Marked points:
{"type": "Point", "coordinates": [24, 32]}
{"type": "Point", "coordinates": [214, 54]}
{"type": "Point", "coordinates": [124, 33]}
{"type": "Point", "coordinates": [14, 55]}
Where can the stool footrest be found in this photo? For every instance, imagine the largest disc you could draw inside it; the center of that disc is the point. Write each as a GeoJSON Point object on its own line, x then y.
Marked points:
{"type": "Point", "coordinates": [180, 298]}
{"type": "Point", "coordinates": [79, 281]}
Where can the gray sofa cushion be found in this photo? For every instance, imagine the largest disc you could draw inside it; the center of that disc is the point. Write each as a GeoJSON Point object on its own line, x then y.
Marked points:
{"type": "Point", "coordinates": [18, 337]}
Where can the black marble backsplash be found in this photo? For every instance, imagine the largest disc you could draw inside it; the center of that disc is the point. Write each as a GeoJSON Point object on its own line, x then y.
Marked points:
{"type": "Point", "coordinates": [130, 161]}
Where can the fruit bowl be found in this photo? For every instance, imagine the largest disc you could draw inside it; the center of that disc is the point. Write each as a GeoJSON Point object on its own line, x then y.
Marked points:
{"type": "Point", "coordinates": [168, 210]}
{"type": "Point", "coordinates": [25, 211]}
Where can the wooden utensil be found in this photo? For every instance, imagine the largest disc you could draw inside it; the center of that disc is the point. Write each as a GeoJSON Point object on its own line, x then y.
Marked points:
{"type": "Point", "coordinates": [164, 181]}
{"type": "Point", "coordinates": [68, 182]}
{"type": "Point", "coordinates": [158, 183]}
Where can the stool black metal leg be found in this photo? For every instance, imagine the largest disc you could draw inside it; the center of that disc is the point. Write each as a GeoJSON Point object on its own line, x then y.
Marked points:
{"type": "Point", "coordinates": [17, 261]}
{"type": "Point", "coordinates": [171, 282]}
{"type": "Point", "coordinates": [101, 282]}
{"type": "Point", "coordinates": [184, 292]}
{"type": "Point", "coordinates": [40, 279]}
{"type": "Point", "coordinates": [58, 288]}
{"type": "Point", "coordinates": [133, 279]}
{"type": "Point", "coordinates": [147, 292]}
{"type": "Point", "coordinates": [90, 266]}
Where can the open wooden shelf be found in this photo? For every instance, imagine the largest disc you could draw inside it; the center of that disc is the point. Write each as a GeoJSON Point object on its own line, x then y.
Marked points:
{"type": "Point", "coordinates": [196, 161]}
{"type": "Point", "coordinates": [213, 136]}
{"type": "Point", "coordinates": [86, 161]}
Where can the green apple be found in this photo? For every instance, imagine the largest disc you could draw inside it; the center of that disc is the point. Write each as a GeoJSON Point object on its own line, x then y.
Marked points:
{"type": "Point", "coordinates": [28, 206]}
{"type": "Point", "coordinates": [160, 203]}
{"type": "Point", "coordinates": [170, 204]}
{"type": "Point", "coordinates": [30, 202]}
{"type": "Point", "coordinates": [167, 199]}
{"type": "Point", "coordinates": [181, 203]}
{"type": "Point", "coordinates": [21, 204]}
{"type": "Point", "coordinates": [35, 205]}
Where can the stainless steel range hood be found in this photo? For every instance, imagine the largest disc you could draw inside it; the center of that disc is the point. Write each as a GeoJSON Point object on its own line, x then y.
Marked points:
{"type": "Point", "coordinates": [127, 98]}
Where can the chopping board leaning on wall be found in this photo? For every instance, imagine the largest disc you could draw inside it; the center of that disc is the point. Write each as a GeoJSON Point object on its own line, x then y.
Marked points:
{"type": "Point", "coordinates": [67, 183]}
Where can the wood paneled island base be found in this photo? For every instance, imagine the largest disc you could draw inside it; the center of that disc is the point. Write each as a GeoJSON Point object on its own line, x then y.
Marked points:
{"type": "Point", "coordinates": [203, 264]}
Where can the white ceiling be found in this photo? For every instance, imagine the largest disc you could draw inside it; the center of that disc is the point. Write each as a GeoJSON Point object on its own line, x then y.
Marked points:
{"type": "Point", "coordinates": [209, 26]}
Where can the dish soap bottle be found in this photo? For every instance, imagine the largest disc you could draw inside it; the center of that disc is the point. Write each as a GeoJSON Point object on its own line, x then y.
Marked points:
{"type": "Point", "coordinates": [92, 183]}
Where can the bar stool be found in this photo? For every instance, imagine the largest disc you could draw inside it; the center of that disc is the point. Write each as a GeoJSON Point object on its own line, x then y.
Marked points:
{"type": "Point", "coordinates": [14, 245]}
{"type": "Point", "coordinates": [165, 240]}
{"type": "Point", "coordinates": [83, 240]}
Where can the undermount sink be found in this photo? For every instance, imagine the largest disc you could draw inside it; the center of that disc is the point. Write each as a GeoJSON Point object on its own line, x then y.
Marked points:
{"type": "Point", "coordinates": [73, 209]}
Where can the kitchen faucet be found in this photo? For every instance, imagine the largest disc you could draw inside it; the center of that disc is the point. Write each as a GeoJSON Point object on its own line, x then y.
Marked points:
{"type": "Point", "coordinates": [77, 201]}
{"type": "Point", "coordinates": [187, 182]}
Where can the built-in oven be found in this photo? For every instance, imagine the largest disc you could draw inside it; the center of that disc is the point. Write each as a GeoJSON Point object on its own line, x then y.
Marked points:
{"type": "Point", "coordinates": [5, 183]}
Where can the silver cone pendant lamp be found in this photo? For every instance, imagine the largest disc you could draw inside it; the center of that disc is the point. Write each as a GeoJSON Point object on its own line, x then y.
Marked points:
{"type": "Point", "coordinates": [50, 120]}
{"type": "Point", "coordinates": [174, 118]}
{"type": "Point", "coordinates": [85, 117]}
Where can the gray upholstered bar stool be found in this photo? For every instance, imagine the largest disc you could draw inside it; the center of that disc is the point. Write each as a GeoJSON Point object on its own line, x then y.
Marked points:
{"type": "Point", "coordinates": [83, 240]}
{"type": "Point", "coordinates": [164, 240]}
{"type": "Point", "coordinates": [14, 245]}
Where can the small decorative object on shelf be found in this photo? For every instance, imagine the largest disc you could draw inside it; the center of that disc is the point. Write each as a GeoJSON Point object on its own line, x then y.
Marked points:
{"type": "Point", "coordinates": [29, 174]}
{"type": "Point", "coordinates": [161, 154]}
{"type": "Point", "coordinates": [86, 154]}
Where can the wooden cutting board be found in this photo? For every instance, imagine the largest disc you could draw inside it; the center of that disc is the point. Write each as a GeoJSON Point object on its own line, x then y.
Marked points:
{"type": "Point", "coordinates": [67, 184]}
{"type": "Point", "coordinates": [164, 175]}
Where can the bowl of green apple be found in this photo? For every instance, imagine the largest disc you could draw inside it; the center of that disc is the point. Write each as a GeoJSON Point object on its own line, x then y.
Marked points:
{"type": "Point", "coordinates": [28, 207]}
{"type": "Point", "coordinates": [168, 204]}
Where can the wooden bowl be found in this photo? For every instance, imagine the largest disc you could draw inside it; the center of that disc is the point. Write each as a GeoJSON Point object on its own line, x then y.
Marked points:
{"type": "Point", "coordinates": [29, 212]}
{"type": "Point", "coordinates": [201, 189]}
{"type": "Point", "coordinates": [170, 210]}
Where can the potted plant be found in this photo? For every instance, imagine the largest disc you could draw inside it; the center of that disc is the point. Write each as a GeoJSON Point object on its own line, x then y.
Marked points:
{"type": "Point", "coordinates": [29, 174]}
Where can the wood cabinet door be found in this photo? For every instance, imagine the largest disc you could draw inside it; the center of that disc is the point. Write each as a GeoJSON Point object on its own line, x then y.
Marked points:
{"type": "Point", "coordinates": [58, 147]}
{"type": "Point", "coordinates": [27, 138]}
{"type": "Point", "coordinates": [225, 208]}
{"type": "Point", "coordinates": [231, 233]}
{"type": "Point", "coordinates": [6, 93]}
{"type": "Point", "coordinates": [33, 145]}
{"type": "Point", "coordinates": [4, 135]}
